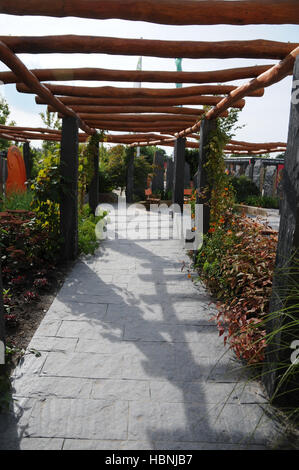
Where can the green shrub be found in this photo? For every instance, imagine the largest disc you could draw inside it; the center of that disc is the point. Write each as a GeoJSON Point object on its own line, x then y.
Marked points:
{"type": "Point", "coordinates": [243, 188]}
{"type": "Point", "coordinates": [17, 201]}
{"type": "Point", "coordinates": [236, 262]}
{"type": "Point", "coordinates": [46, 188]}
{"type": "Point", "coordinates": [105, 183]}
{"type": "Point", "coordinates": [87, 238]}
{"type": "Point", "coordinates": [267, 202]}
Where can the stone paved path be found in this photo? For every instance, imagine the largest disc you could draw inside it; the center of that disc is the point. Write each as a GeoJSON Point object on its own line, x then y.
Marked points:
{"type": "Point", "coordinates": [130, 360]}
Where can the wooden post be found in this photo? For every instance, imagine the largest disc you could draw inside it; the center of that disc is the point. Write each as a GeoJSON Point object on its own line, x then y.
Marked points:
{"type": "Point", "coordinates": [205, 129]}
{"type": "Point", "coordinates": [69, 192]}
{"type": "Point", "coordinates": [93, 193]}
{"type": "Point", "coordinates": [286, 278]}
{"type": "Point", "coordinates": [130, 175]}
{"type": "Point", "coordinates": [178, 176]}
{"type": "Point", "coordinates": [2, 321]}
{"type": "Point", "coordinates": [158, 179]}
{"type": "Point", "coordinates": [187, 176]}
{"type": "Point", "coordinates": [27, 159]}
{"type": "Point", "coordinates": [169, 175]}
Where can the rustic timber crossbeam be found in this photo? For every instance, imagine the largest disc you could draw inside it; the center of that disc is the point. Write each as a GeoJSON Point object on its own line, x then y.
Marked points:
{"type": "Point", "coordinates": [29, 79]}
{"type": "Point", "coordinates": [133, 109]}
{"type": "Point", "coordinates": [115, 92]}
{"type": "Point", "coordinates": [81, 108]}
{"type": "Point", "coordinates": [185, 12]}
{"type": "Point", "coordinates": [137, 117]}
{"type": "Point", "coordinates": [250, 49]}
{"type": "Point", "coordinates": [170, 142]}
{"type": "Point", "coordinates": [142, 76]}
{"type": "Point", "coordinates": [33, 129]}
{"type": "Point", "coordinates": [266, 79]}
{"type": "Point", "coordinates": [24, 134]}
{"type": "Point", "coordinates": [192, 100]}
{"type": "Point", "coordinates": [5, 136]}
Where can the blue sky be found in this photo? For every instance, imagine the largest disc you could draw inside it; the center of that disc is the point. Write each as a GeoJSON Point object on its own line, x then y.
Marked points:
{"type": "Point", "coordinates": [265, 119]}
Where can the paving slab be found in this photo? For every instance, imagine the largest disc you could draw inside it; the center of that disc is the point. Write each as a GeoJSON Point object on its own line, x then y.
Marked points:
{"type": "Point", "coordinates": [128, 357]}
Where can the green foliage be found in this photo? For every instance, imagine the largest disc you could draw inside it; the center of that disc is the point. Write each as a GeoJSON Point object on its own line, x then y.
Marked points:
{"type": "Point", "coordinates": [237, 264]}
{"type": "Point", "coordinates": [267, 202]}
{"type": "Point", "coordinates": [17, 200]}
{"type": "Point", "coordinates": [86, 164]}
{"type": "Point", "coordinates": [141, 170]}
{"type": "Point", "coordinates": [4, 115]}
{"type": "Point", "coordinates": [149, 152]}
{"type": "Point", "coordinates": [116, 166]}
{"type": "Point", "coordinates": [243, 187]}
{"type": "Point", "coordinates": [37, 160]}
{"type": "Point", "coordinates": [47, 187]}
{"type": "Point", "coordinates": [191, 157]}
{"type": "Point", "coordinates": [105, 183]}
{"type": "Point", "coordinates": [51, 121]}
{"type": "Point", "coordinates": [88, 241]}
{"type": "Point", "coordinates": [219, 185]}
{"type": "Point", "coordinates": [113, 170]}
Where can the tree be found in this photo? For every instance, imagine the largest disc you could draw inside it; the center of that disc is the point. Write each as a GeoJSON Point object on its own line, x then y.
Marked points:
{"type": "Point", "coordinates": [51, 121]}
{"type": "Point", "coordinates": [4, 115]}
{"type": "Point", "coordinates": [149, 151]}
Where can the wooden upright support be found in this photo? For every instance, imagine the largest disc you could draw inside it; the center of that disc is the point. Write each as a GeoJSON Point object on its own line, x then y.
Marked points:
{"type": "Point", "coordinates": [179, 168]}
{"type": "Point", "coordinates": [130, 175]}
{"type": "Point", "coordinates": [203, 196]}
{"type": "Point", "coordinates": [69, 187]}
{"type": "Point", "coordinates": [2, 321]}
{"type": "Point", "coordinates": [93, 193]}
{"type": "Point", "coordinates": [169, 175]}
{"type": "Point", "coordinates": [27, 159]}
{"type": "Point", "coordinates": [286, 278]}
{"type": "Point", "coordinates": [158, 179]}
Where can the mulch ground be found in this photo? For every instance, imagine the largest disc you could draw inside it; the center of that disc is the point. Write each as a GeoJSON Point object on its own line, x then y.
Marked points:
{"type": "Point", "coordinates": [28, 315]}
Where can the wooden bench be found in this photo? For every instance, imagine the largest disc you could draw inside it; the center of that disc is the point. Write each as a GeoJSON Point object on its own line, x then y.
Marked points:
{"type": "Point", "coordinates": [149, 199]}
{"type": "Point", "coordinates": [187, 194]}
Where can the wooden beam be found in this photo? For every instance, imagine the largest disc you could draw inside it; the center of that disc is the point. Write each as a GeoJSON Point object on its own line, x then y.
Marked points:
{"type": "Point", "coordinates": [274, 75]}
{"type": "Point", "coordinates": [266, 79]}
{"type": "Point", "coordinates": [29, 80]}
{"type": "Point", "coordinates": [117, 92]}
{"type": "Point", "coordinates": [133, 137]}
{"type": "Point", "coordinates": [4, 135]}
{"type": "Point", "coordinates": [192, 100]}
{"type": "Point", "coordinates": [81, 108]}
{"type": "Point", "coordinates": [33, 129]}
{"type": "Point", "coordinates": [140, 76]}
{"type": "Point", "coordinates": [133, 109]}
{"type": "Point", "coordinates": [253, 152]}
{"type": "Point", "coordinates": [188, 12]}
{"type": "Point", "coordinates": [137, 117]}
{"type": "Point", "coordinates": [253, 145]}
{"type": "Point", "coordinates": [138, 127]}
{"type": "Point", "coordinates": [256, 49]}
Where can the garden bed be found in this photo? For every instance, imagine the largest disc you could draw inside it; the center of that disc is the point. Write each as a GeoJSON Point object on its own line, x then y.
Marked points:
{"type": "Point", "coordinates": [31, 275]}
{"type": "Point", "coordinates": [27, 316]}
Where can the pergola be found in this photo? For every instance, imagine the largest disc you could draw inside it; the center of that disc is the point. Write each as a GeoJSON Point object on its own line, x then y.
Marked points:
{"type": "Point", "coordinates": [153, 116]}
